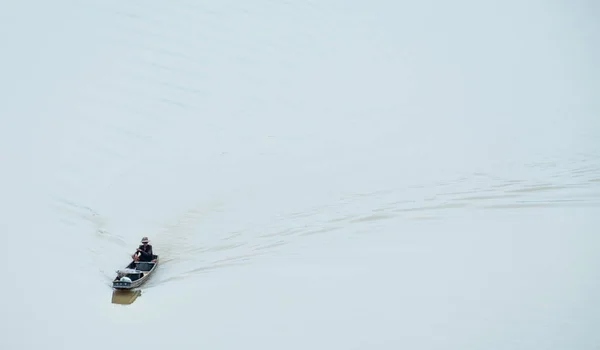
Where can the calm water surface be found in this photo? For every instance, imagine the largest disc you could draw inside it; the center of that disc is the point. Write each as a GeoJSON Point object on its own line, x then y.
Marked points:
{"type": "Point", "coordinates": [322, 175]}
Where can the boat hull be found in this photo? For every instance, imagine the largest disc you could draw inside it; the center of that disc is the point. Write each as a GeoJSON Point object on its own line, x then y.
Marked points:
{"type": "Point", "coordinates": [130, 278]}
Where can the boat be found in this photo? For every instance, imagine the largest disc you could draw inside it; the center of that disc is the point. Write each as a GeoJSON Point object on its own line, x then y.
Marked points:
{"type": "Point", "coordinates": [135, 274]}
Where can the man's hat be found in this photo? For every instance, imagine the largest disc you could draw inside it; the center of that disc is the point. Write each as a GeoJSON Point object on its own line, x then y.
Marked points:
{"type": "Point", "coordinates": [145, 240]}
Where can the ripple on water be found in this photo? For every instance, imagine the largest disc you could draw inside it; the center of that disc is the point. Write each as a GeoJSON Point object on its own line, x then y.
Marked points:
{"type": "Point", "coordinates": [184, 257]}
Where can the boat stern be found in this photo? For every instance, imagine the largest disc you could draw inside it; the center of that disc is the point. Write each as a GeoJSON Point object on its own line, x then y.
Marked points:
{"type": "Point", "coordinates": [123, 283]}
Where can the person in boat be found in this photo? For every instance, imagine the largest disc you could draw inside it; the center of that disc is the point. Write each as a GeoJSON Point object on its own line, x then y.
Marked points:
{"type": "Point", "coordinates": [144, 251]}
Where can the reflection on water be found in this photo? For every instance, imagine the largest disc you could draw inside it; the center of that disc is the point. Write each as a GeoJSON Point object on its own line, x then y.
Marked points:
{"type": "Point", "coordinates": [125, 297]}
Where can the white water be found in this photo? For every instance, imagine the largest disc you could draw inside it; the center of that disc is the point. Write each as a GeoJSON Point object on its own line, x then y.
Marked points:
{"type": "Point", "coordinates": [313, 175]}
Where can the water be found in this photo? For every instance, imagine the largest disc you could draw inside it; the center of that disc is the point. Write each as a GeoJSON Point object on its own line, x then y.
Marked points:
{"type": "Point", "coordinates": [313, 175]}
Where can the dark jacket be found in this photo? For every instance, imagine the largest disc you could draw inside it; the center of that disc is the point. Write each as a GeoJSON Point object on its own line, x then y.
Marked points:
{"type": "Point", "coordinates": [146, 252]}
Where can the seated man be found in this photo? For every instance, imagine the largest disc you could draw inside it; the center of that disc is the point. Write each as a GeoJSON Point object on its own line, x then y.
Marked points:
{"type": "Point", "coordinates": [144, 251]}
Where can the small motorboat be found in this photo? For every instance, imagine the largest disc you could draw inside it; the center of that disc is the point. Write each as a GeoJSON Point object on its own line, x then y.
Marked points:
{"type": "Point", "coordinates": [135, 274]}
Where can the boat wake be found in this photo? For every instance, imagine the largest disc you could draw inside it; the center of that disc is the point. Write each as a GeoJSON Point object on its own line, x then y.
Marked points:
{"type": "Point", "coordinates": [205, 238]}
